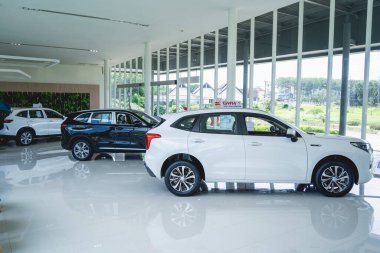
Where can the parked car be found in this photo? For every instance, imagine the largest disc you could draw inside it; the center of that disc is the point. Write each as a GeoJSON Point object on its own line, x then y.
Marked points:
{"type": "Point", "coordinates": [26, 124]}
{"type": "Point", "coordinates": [243, 145]}
{"type": "Point", "coordinates": [93, 131]}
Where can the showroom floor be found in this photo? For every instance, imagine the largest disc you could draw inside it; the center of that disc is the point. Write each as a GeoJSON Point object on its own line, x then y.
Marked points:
{"type": "Point", "coordinates": [50, 203]}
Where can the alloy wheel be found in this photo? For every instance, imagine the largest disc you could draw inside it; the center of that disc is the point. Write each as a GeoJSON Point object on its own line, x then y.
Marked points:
{"type": "Point", "coordinates": [182, 178]}
{"type": "Point", "coordinates": [26, 138]}
{"type": "Point", "coordinates": [335, 179]}
{"type": "Point", "coordinates": [81, 150]}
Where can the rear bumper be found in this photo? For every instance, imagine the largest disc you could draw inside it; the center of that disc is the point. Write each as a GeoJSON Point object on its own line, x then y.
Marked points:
{"type": "Point", "coordinates": [149, 171]}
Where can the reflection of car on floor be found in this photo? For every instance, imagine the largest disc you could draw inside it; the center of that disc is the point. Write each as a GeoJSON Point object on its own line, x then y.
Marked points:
{"type": "Point", "coordinates": [333, 224]}
{"type": "Point", "coordinates": [34, 166]}
{"type": "Point", "coordinates": [25, 125]}
{"type": "Point", "coordinates": [243, 145]}
{"type": "Point", "coordinates": [114, 131]}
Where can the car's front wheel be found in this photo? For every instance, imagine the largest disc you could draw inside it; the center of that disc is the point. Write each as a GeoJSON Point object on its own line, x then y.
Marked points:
{"type": "Point", "coordinates": [24, 137]}
{"type": "Point", "coordinates": [182, 178]}
{"type": "Point", "coordinates": [82, 150]}
{"type": "Point", "coordinates": [334, 179]}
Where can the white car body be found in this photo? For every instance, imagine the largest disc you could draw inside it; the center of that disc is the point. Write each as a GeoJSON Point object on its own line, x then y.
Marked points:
{"type": "Point", "coordinates": [46, 122]}
{"type": "Point", "coordinates": [248, 158]}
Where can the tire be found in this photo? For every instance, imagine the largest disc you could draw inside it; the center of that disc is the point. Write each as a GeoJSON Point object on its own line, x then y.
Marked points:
{"type": "Point", "coordinates": [334, 179]}
{"type": "Point", "coordinates": [82, 150]}
{"type": "Point", "coordinates": [25, 137]}
{"type": "Point", "coordinates": [186, 186]}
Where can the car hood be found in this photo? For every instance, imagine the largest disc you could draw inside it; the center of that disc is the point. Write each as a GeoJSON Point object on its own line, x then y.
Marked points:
{"type": "Point", "coordinates": [337, 137]}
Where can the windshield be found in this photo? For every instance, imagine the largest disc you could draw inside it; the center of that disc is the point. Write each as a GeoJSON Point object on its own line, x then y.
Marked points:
{"type": "Point", "coordinates": [146, 117]}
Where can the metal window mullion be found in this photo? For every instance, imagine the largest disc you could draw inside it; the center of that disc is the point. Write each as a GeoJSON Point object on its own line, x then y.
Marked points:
{"type": "Point", "coordinates": [188, 74]}
{"type": "Point", "coordinates": [330, 65]}
{"type": "Point", "coordinates": [251, 62]}
{"type": "Point", "coordinates": [136, 70]}
{"type": "Point", "coordinates": [125, 89]}
{"type": "Point", "coordinates": [167, 79]}
{"type": "Point", "coordinates": [216, 62]}
{"type": "Point", "coordinates": [177, 77]}
{"type": "Point", "coordinates": [366, 68]}
{"type": "Point", "coordinates": [119, 90]}
{"type": "Point", "coordinates": [201, 71]}
{"type": "Point", "coordinates": [299, 61]}
{"type": "Point", "coordinates": [130, 81]}
{"type": "Point", "coordinates": [274, 53]}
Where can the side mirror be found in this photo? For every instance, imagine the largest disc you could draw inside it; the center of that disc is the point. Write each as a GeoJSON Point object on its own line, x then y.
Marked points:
{"type": "Point", "coordinates": [292, 134]}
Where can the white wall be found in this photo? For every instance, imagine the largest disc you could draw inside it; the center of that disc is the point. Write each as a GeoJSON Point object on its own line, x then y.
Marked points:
{"type": "Point", "coordinates": [65, 74]}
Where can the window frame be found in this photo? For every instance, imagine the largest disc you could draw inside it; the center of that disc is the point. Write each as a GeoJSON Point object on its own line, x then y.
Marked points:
{"type": "Point", "coordinates": [27, 114]}
{"type": "Point", "coordinates": [48, 110]}
{"type": "Point", "coordinates": [42, 111]}
{"type": "Point", "coordinates": [88, 119]}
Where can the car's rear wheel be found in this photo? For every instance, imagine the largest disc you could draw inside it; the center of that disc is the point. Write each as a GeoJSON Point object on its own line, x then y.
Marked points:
{"type": "Point", "coordinates": [182, 178]}
{"type": "Point", "coordinates": [334, 179]}
{"type": "Point", "coordinates": [82, 150]}
{"type": "Point", "coordinates": [25, 137]}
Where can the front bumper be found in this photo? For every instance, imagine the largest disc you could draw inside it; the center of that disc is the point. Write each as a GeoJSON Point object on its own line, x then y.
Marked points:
{"type": "Point", "coordinates": [149, 171]}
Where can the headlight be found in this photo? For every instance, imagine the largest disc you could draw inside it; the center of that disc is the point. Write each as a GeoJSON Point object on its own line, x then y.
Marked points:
{"type": "Point", "coordinates": [362, 145]}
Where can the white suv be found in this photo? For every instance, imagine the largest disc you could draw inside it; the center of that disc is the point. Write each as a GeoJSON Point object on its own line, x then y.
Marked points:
{"type": "Point", "coordinates": [26, 124]}
{"type": "Point", "coordinates": [242, 145]}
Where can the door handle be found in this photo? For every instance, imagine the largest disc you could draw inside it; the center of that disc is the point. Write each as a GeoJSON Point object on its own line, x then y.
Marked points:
{"type": "Point", "coordinates": [254, 143]}
{"type": "Point", "coordinates": [198, 141]}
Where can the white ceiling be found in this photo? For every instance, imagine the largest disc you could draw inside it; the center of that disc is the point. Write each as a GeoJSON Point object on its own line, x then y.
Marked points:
{"type": "Point", "coordinates": [116, 41]}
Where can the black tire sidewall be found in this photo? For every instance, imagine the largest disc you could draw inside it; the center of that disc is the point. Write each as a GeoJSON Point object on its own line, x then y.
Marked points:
{"type": "Point", "coordinates": [196, 186]}
{"type": "Point", "coordinates": [18, 141]}
{"type": "Point", "coordinates": [319, 185]}
{"type": "Point", "coordinates": [90, 153]}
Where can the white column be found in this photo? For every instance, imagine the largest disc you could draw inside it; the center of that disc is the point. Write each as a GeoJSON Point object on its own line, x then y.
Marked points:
{"type": "Point", "coordinates": [167, 78]}
{"type": "Point", "coordinates": [231, 53]}
{"type": "Point", "coordinates": [216, 60]}
{"type": "Point", "coordinates": [106, 84]}
{"type": "Point", "coordinates": [201, 71]}
{"type": "Point", "coordinates": [177, 77]}
{"type": "Point", "coordinates": [330, 65]}
{"type": "Point", "coordinates": [188, 74]}
{"type": "Point", "coordinates": [158, 88]}
{"type": "Point", "coordinates": [147, 76]}
{"type": "Point", "coordinates": [366, 68]}
{"type": "Point", "coordinates": [136, 72]}
{"type": "Point", "coordinates": [299, 61]}
{"type": "Point", "coordinates": [251, 62]}
{"type": "Point", "coordinates": [274, 54]}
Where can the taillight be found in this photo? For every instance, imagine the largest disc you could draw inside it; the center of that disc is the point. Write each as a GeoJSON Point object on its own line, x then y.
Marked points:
{"type": "Point", "coordinates": [63, 126]}
{"type": "Point", "coordinates": [8, 120]}
{"type": "Point", "coordinates": [149, 138]}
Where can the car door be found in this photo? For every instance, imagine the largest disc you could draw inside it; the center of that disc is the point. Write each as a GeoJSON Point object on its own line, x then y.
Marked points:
{"type": "Point", "coordinates": [270, 155]}
{"type": "Point", "coordinates": [55, 120]}
{"type": "Point", "coordinates": [38, 122]}
{"type": "Point", "coordinates": [121, 131]}
{"type": "Point", "coordinates": [218, 145]}
{"type": "Point", "coordinates": [102, 127]}
{"type": "Point", "coordinates": [138, 133]}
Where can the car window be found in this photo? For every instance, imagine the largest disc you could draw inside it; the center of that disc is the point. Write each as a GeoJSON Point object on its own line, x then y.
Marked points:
{"type": "Point", "coordinates": [23, 114]}
{"type": "Point", "coordinates": [127, 119]}
{"type": "Point", "coordinates": [186, 123]}
{"type": "Point", "coordinates": [219, 123]}
{"type": "Point", "coordinates": [36, 114]}
{"type": "Point", "coordinates": [262, 126]}
{"type": "Point", "coordinates": [146, 117]}
{"type": "Point", "coordinates": [83, 117]}
{"type": "Point", "coordinates": [53, 115]}
{"type": "Point", "coordinates": [101, 118]}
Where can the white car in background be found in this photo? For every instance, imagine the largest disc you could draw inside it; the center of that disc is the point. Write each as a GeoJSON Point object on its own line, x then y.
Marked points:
{"type": "Point", "coordinates": [26, 124]}
{"type": "Point", "coordinates": [243, 145]}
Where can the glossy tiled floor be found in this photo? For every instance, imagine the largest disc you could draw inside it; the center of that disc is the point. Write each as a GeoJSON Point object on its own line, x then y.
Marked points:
{"type": "Point", "coordinates": [51, 203]}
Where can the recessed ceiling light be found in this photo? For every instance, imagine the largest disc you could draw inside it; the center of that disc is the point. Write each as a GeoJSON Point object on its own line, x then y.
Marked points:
{"type": "Point", "coordinates": [15, 44]}
{"type": "Point", "coordinates": [93, 50]}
